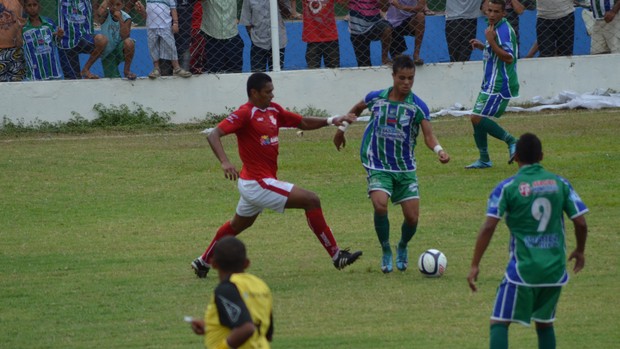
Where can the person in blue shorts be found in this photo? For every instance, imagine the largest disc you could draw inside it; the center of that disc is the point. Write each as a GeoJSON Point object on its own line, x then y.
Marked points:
{"type": "Point", "coordinates": [499, 85]}
{"type": "Point", "coordinates": [387, 154]}
{"type": "Point", "coordinates": [534, 202]}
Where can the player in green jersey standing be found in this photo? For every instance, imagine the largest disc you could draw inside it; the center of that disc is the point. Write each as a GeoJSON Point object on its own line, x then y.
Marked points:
{"type": "Point", "coordinates": [387, 154]}
{"type": "Point", "coordinates": [533, 202]}
{"type": "Point", "coordinates": [499, 85]}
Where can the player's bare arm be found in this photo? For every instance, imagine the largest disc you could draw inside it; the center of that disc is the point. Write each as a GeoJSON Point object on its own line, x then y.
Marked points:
{"type": "Point", "coordinates": [214, 138]}
{"type": "Point", "coordinates": [482, 242]}
{"type": "Point", "coordinates": [339, 139]}
{"type": "Point", "coordinates": [581, 234]}
{"type": "Point", "coordinates": [432, 143]}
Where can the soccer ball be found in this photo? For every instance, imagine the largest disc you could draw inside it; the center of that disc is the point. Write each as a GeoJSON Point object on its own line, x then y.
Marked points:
{"type": "Point", "coordinates": [432, 263]}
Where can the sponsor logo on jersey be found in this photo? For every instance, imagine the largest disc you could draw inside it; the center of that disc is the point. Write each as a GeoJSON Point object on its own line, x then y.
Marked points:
{"type": "Point", "coordinates": [545, 186]}
{"type": "Point", "coordinates": [266, 140]}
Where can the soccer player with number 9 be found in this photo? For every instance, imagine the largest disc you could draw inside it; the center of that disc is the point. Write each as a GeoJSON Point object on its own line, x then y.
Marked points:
{"type": "Point", "coordinates": [533, 202]}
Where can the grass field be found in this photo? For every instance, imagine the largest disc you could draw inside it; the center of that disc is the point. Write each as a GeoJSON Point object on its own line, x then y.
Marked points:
{"type": "Point", "coordinates": [97, 233]}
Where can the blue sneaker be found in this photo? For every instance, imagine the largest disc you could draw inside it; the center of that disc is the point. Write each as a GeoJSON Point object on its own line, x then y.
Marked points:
{"type": "Point", "coordinates": [479, 165]}
{"type": "Point", "coordinates": [402, 259]}
{"type": "Point", "coordinates": [386, 263]}
{"type": "Point", "coordinates": [512, 151]}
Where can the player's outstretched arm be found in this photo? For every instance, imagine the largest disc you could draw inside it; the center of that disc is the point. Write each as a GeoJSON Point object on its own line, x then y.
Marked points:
{"type": "Point", "coordinates": [339, 139]}
{"type": "Point", "coordinates": [581, 234]}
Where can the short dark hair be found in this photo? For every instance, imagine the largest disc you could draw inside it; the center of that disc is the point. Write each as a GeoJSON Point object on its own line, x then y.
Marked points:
{"type": "Point", "coordinates": [229, 254]}
{"type": "Point", "coordinates": [257, 81]}
{"type": "Point", "coordinates": [402, 62]}
{"type": "Point", "coordinates": [498, 2]}
{"type": "Point", "coordinates": [529, 149]}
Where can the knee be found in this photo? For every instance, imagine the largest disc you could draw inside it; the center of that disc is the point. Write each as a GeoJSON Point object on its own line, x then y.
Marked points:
{"type": "Point", "coordinates": [313, 200]}
{"type": "Point", "coordinates": [101, 40]}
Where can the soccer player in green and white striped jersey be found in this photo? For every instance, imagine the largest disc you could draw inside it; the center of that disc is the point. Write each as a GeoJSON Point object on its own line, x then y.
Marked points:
{"type": "Point", "coordinates": [387, 154]}
{"type": "Point", "coordinates": [499, 85]}
{"type": "Point", "coordinates": [534, 202]}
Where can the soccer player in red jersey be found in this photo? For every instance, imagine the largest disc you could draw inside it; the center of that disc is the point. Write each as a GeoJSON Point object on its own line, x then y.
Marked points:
{"type": "Point", "coordinates": [256, 125]}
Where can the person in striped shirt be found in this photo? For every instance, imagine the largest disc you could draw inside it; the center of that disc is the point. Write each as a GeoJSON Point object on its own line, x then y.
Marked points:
{"type": "Point", "coordinates": [499, 85]}
{"type": "Point", "coordinates": [387, 154]}
{"type": "Point", "coordinates": [75, 17]}
{"type": "Point", "coordinates": [40, 50]}
{"type": "Point", "coordinates": [606, 28]}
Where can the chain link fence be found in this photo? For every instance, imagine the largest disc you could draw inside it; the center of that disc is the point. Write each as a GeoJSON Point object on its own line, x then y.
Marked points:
{"type": "Point", "coordinates": [126, 38]}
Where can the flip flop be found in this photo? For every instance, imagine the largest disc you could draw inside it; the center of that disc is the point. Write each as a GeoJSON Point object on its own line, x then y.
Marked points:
{"type": "Point", "coordinates": [131, 76]}
{"type": "Point", "coordinates": [418, 61]}
{"type": "Point", "coordinates": [89, 76]}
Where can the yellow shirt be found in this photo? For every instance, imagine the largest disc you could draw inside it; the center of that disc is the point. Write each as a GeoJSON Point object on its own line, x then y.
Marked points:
{"type": "Point", "coordinates": [244, 297]}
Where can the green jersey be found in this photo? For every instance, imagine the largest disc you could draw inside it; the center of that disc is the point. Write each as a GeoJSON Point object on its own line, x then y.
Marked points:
{"type": "Point", "coordinates": [390, 137]}
{"type": "Point", "coordinates": [533, 202]}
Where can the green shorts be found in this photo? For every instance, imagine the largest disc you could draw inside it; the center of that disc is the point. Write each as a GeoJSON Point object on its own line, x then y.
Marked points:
{"type": "Point", "coordinates": [524, 304]}
{"type": "Point", "coordinates": [490, 105]}
{"type": "Point", "coordinates": [400, 186]}
{"type": "Point", "coordinates": [112, 60]}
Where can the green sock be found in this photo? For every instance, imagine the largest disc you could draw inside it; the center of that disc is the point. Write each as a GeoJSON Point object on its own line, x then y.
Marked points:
{"type": "Point", "coordinates": [495, 130]}
{"type": "Point", "coordinates": [406, 233]}
{"type": "Point", "coordinates": [480, 137]}
{"type": "Point", "coordinates": [499, 336]}
{"type": "Point", "coordinates": [382, 228]}
{"type": "Point", "coordinates": [546, 338]}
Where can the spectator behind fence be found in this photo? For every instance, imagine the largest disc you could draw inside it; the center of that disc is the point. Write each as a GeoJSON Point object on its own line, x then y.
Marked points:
{"type": "Point", "coordinates": [76, 20]}
{"type": "Point", "coordinates": [222, 41]}
{"type": "Point", "coordinates": [606, 27]}
{"type": "Point", "coordinates": [40, 50]}
{"type": "Point", "coordinates": [407, 18]}
{"type": "Point", "coordinates": [555, 27]}
{"type": "Point", "coordinates": [162, 22]}
{"type": "Point", "coordinates": [320, 33]}
{"type": "Point", "coordinates": [183, 37]}
{"type": "Point", "coordinates": [12, 65]}
{"type": "Point", "coordinates": [514, 8]}
{"type": "Point", "coordinates": [116, 26]}
{"type": "Point", "coordinates": [461, 23]}
{"type": "Point", "coordinates": [256, 17]}
{"type": "Point", "coordinates": [197, 55]}
{"type": "Point", "coordinates": [366, 25]}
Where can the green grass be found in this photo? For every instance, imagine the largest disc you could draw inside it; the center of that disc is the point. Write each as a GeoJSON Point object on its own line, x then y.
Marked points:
{"type": "Point", "coordinates": [97, 233]}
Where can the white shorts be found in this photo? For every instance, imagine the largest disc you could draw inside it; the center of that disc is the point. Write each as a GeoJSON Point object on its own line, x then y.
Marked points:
{"type": "Point", "coordinates": [161, 44]}
{"type": "Point", "coordinates": [257, 195]}
{"type": "Point", "coordinates": [606, 36]}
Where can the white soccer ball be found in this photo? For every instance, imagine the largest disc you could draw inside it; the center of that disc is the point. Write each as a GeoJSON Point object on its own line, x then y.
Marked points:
{"type": "Point", "coordinates": [432, 263]}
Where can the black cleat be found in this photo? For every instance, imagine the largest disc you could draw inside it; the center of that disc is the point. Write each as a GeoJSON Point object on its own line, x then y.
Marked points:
{"type": "Point", "coordinates": [200, 268]}
{"type": "Point", "coordinates": [346, 258]}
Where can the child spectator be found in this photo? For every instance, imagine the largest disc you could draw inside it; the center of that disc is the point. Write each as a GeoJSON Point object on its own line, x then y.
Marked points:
{"type": "Point", "coordinates": [197, 54]}
{"type": "Point", "coordinates": [161, 16]}
{"type": "Point", "coordinates": [76, 20]}
{"type": "Point", "coordinates": [40, 48]}
{"type": "Point", "coordinates": [407, 18]}
{"type": "Point", "coordinates": [366, 24]}
{"type": "Point", "coordinates": [116, 26]}
{"type": "Point", "coordinates": [12, 66]}
{"type": "Point", "coordinates": [320, 33]}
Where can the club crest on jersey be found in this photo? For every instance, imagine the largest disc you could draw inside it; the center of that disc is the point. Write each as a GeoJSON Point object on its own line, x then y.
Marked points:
{"type": "Point", "coordinates": [525, 189]}
{"type": "Point", "coordinates": [231, 118]}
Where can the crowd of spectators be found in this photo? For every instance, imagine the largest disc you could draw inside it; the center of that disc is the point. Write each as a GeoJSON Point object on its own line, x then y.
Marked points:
{"type": "Point", "coordinates": [188, 37]}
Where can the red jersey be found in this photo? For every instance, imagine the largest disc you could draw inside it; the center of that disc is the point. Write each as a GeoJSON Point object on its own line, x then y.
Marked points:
{"type": "Point", "coordinates": [257, 137]}
{"type": "Point", "coordinates": [319, 21]}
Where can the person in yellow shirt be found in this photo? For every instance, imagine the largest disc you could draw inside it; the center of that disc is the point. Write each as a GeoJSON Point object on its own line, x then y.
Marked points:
{"type": "Point", "coordinates": [240, 312]}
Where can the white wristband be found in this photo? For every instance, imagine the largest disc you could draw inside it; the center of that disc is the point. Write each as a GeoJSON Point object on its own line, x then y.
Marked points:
{"type": "Point", "coordinates": [344, 126]}
{"type": "Point", "coordinates": [437, 149]}
{"type": "Point", "coordinates": [330, 120]}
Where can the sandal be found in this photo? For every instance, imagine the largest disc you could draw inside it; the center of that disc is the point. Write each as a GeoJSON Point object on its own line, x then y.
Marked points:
{"type": "Point", "coordinates": [88, 75]}
{"type": "Point", "coordinates": [154, 74]}
{"type": "Point", "coordinates": [418, 61]}
{"type": "Point", "coordinates": [130, 76]}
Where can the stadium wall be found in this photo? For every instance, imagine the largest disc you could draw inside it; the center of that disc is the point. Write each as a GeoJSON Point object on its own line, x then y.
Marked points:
{"type": "Point", "coordinates": [334, 90]}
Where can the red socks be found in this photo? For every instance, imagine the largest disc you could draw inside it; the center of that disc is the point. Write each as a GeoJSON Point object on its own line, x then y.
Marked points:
{"type": "Point", "coordinates": [319, 227]}
{"type": "Point", "coordinates": [225, 230]}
